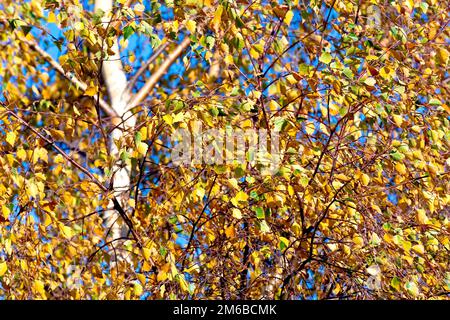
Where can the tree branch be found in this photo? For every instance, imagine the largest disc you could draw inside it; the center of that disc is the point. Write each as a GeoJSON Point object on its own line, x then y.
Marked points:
{"type": "Point", "coordinates": [68, 75]}
{"type": "Point", "coordinates": [153, 80]}
{"type": "Point", "coordinates": [144, 67]}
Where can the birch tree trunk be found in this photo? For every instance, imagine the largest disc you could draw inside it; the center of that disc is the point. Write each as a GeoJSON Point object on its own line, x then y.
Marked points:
{"type": "Point", "coordinates": [121, 101]}
{"type": "Point", "coordinates": [116, 84]}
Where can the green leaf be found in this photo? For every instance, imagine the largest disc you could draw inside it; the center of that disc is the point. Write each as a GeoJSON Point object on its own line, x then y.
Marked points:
{"type": "Point", "coordinates": [138, 137]}
{"type": "Point", "coordinates": [397, 156]}
{"type": "Point", "coordinates": [348, 73]}
{"type": "Point", "coordinates": [434, 102]}
{"type": "Point", "coordinates": [280, 123]}
{"type": "Point", "coordinates": [303, 69]}
{"type": "Point", "coordinates": [259, 213]}
{"type": "Point", "coordinates": [127, 32]}
{"type": "Point", "coordinates": [325, 58]}
{"type": "Point", "coordinates": [26, 29]}
{"type": "Point", "coordinates": [124, 156]}
{"type": "Point", "coordinates": [284, 243]}
{"type": "Point", "coordinates": [210, 41]}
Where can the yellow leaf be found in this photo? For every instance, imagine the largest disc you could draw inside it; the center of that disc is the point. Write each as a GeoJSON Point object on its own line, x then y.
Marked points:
{"type": "Point", "coordinates": [358, 240]}
{"type": "Point", "coordinates": [163, 273]}
{"type": "Point", "coordinates": [200, 192]}
{"type": "Point", "coordinates": [47, 220]}
{"type": "Point", "coordinates": [386, 72]}
{"type": "Point", "coordinates": [138, 290]}
{"type": "Point", "coordinates": [8, 246]}
{"type": "Point", "coordinates": [40, 153]}
{"type": "Point", "coordinates": [78, 26]}
{"type": "Point", "coordinates": [342, 177]}
{"type": "Point", "coordinates": [168, 119]}
{"type": "Point", "coordinates": [217, 17]}
{"type": "Point", "coordinates": [31, 189]}
{"type": "Point", "coordinates": [173, 269]}
{"type": "Point", "coordinates": [285, 241]}
{"type": "Point", "coordinates": [297, 229]}
{"type": "Point", "coordinates": [400, 167]}
{"type": "Point", "coordinates": [143, 132]}
{"type": "Point", "coordinates": [59, 134]}
{"type": "Point", "coordinates": [38, 286]}
{"type": "Point", "coordinates": [21, 154]}
{"type": "Point", "coordinates": [91, 90]}
{"type": "Point", "coordinates": [398, 119]}
{"type": "Point", "coordinates": [291, 190]}
{"type": "Point", "coordinates": [147, 253]}
{"type": "Point", "coordinates": [11, 138]}
{"type": "Point", "coordinates": [370, 81]}
{"type": "Point", "coordinates": [237, 213]}
{"type": "Point", "coordinates": [146, 267]}
{"type": "Point", "coordinates": [334, 108]}
{"type": "Point", "coordinates": [3, 268]}
{"type": "Point", "coordinates": [365, 179]}
{"type": "Point", "coordinates": [51, 17]}
{"type": "Point", "coordinates": [228, 59]}
{"type": "Point", "coordinates": [387, 238]}
{"type": "Point", "coordinates": [248, 123]}
{"type": "Point", "coordinates": [264, 226]}
{"type": "Point", "coordinates": [443, 55]}
{"type": "Point", "coordinates": [309, 128]}
{"type": "Point", "coordinates": [291, 79]}
{"type": "Point", "coordinates": [142, 148]}
{"type": "Point", "coordinates": [183, 283]}
{"type": "Point", "coordinates": [375, 207]}
{"type": "Point", "coordinates": [229, 232]}
{"type": "Point", "coordinates": [179, 117]}
{"type": "Point", "coordinates": [5, 212]}
{"type": "Point", "coordinates": [406, 245]}
{"type": "Point", "coordinates": [191, 26]}
{"type": "Point", "coordinates": [395, 283]}
{"type": "Point", "coordinates": [375, 240]}
{"type": "Point", "coordinates": [141, 278]}
{"type": "Point", "coordinates": [337, 184]}
{"type": "Point", "coordinates": [76, 111]}
{"type": "Point", "coordinates": [59, 159]}
{"type": "Point", "coordinates": [139, 8]}
{"type": "Point", "coordinates": [254, 54]}
{"type": "Point", "coordinates": [241, 196]}
{"type": "Point", "coordinates": [422, 216]}
{"type": "Point", "coordinates": [288, 17]}
{"type": "Point", "coordinates": [63, 59]}
{"type": "Point", "coordinates": [67, 232]}
{"type": "Point", "coordinates": [418, 248]}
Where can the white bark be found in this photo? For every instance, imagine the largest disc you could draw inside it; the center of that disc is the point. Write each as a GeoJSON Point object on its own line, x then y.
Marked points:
{"type": "Point", "coordinates": [122, 102]}
{"type": "Point", "coordinates": [116, 84]}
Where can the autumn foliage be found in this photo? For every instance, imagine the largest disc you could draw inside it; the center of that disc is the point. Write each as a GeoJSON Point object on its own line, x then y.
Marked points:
{"type": "Point", "coordinates": [357, 91]}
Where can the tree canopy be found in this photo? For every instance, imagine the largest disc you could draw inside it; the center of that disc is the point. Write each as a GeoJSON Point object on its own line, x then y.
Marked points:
{"type": "Point", "coordinates": [93, 205]}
